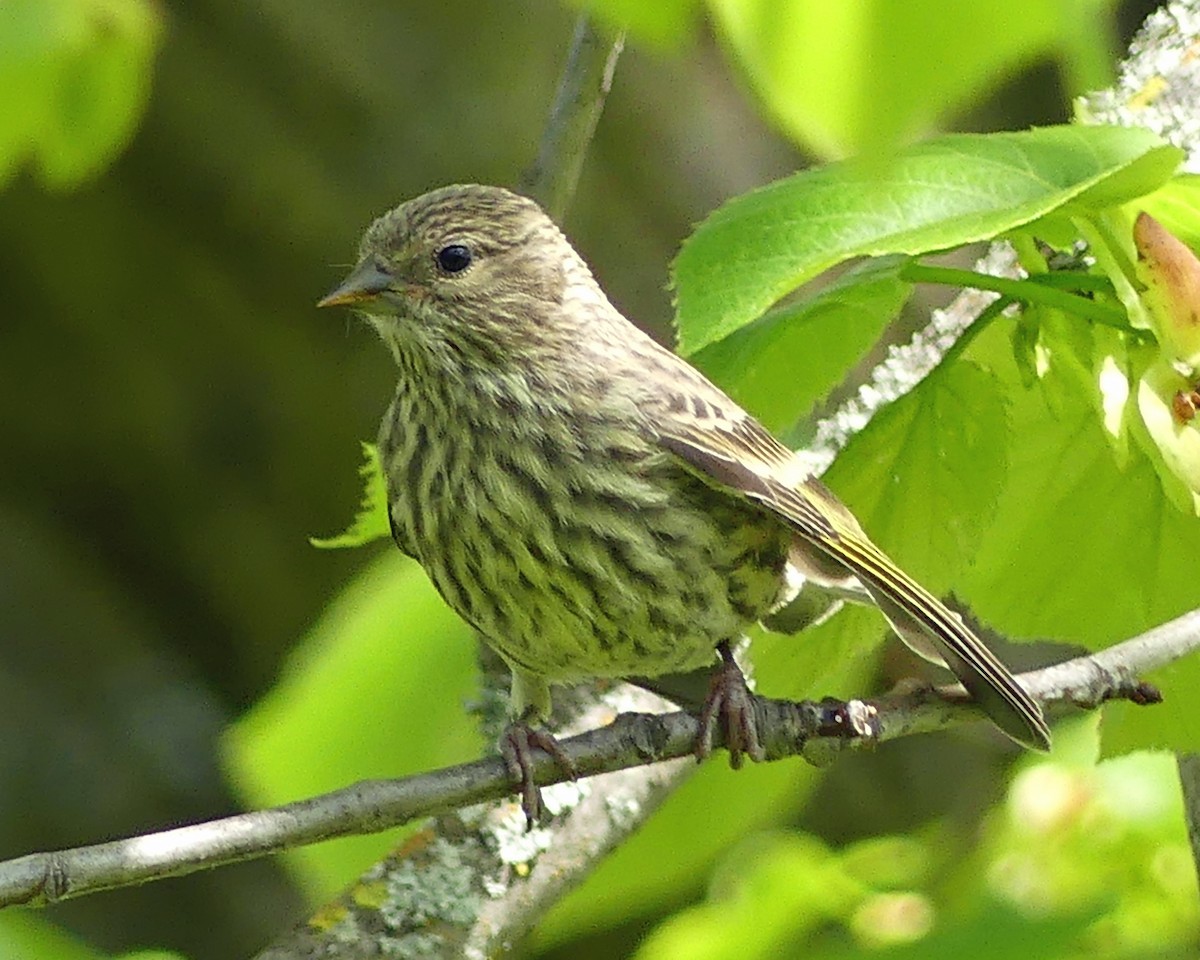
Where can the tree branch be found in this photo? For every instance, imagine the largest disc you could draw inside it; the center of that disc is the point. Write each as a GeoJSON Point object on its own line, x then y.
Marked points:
{"type": "Point", "coordinates": [817, 731]}
{"type": "Point", "coordinates": [586, 81]}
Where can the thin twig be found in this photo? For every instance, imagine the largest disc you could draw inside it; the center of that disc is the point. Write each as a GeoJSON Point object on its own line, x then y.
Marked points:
{"type": "Point", "coordinates": [631, 740]}
{"type": "Point", "coordinates": [586, 81]}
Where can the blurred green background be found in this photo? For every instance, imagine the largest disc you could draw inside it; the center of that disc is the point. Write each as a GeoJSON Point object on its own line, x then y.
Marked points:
{"type": "Point", "coordinates": [178, 418]}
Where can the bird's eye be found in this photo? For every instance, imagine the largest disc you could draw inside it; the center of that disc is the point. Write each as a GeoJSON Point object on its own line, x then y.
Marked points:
{"type": "Point", "coordinates": [454, 258]}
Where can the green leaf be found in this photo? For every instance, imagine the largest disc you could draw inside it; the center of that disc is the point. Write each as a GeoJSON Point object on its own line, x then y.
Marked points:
{"type": "Point", "coordinates": [925, 475]}
{"type": "Point", "coordinates": [787, 360]}
{"type": "Point", "coordinates": [860, 76]}
{"type": "Point", "coordinates": [372, 520]}
{"type": "Point", "coordinates": [787, 886]}
{"type": "Point", "coordinates": [77, 78]}
{"type": "Point", "coordinates": [1143, 174]}
{"type": "Point", "coordinates": [936, 195]}
{"type": "Point", "coordinates": [1074, 852]}
{"type": "Point", "coordinates": [377, 689]}
{"type": "Point", "coordinates": [664, 23]}
{"type": "Point", "coordinates": [31, 936]}
{"type": "Point", "coordinates": [1176, 205]}
{"type": "Point", "coordinates": [1084, 546]}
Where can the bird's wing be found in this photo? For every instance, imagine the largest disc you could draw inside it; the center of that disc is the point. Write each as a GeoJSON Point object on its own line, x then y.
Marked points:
{"type": "Point", "coordinates": [732, 449]}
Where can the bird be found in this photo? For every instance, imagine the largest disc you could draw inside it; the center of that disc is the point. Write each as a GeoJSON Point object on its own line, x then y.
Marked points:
{"type": "Point", "coordinates": [586, 499]}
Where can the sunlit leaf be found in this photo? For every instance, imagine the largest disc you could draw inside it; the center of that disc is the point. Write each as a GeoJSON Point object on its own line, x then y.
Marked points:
{"type": "Point", "coordinates": [787, 360]}
{"type": "Point", "coordinates": [75, 79]}
{"type": "Point", "coordinates": [371, 521]}
{"type": "Point", "coordinates": [925, 475]}
{"type": "Point", "coordinates": [378, 689]}
{"type": "Point", "coordinates": [1083, 547]}
{"type": "Point", "coordinates": [933, 196]}
{"type": "Point", "coordinates": [858, 76]}
{"type": "Point", "coordinates": [1176, 205]}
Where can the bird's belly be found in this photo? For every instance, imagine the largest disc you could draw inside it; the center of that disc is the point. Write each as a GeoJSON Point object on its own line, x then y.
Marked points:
{"type": "Point", "coordinates": [573, 606]}
{"type": "Point", "coordinates": [601, 591]}
{"type": "Point", "coordinates": [643, 575]}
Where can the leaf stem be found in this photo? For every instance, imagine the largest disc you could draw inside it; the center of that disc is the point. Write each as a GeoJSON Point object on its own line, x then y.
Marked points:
{"type": "Point", "coordinates": [1030, 291]}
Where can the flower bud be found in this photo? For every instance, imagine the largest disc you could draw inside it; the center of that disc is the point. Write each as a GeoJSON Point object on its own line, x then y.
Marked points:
{"type": "Point", "coordinates": [1171, 274]}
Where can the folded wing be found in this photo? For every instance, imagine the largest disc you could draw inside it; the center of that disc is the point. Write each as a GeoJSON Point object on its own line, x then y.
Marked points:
{"type": "Point", "coordinates": [732, 450]}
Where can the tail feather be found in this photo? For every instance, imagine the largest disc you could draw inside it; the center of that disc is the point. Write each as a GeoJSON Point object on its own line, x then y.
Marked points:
{"type": "Point", "coordinates": [923, 621]}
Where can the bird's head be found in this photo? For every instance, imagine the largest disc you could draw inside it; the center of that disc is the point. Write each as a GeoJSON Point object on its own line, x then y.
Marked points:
{"type": "Point", "coordinates": [476, 268]}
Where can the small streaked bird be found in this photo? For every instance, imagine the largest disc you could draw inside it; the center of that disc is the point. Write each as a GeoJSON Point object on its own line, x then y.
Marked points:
{"type": "Point", "coordinates": [587, 500]}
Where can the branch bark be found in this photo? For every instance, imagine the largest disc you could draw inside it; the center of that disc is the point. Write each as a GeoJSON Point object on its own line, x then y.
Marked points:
{"type": "Point", "coordinates": [635, 760]}
{"type": "Point", "coordinates": [586, 81]}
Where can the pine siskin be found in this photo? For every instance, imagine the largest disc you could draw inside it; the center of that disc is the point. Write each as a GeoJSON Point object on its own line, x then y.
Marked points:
{"type": "Point", "coordinates": [584, 498]}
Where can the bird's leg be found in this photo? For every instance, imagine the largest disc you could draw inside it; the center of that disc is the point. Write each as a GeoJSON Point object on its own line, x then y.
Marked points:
{"type": "Point", "coordinates": [730, 703]}
{"type": "Point", "coordinates": [517, 744]}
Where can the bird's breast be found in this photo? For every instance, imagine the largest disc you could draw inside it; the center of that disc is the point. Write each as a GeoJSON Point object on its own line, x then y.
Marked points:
{"type": "Point", "coordinates": [569, 539]}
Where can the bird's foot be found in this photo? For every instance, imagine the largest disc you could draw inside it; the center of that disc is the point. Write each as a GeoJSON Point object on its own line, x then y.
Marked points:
{"type": "Point", "coordinates": [517, 744]}
{"type": "Point", "coordinates": [730, 703]}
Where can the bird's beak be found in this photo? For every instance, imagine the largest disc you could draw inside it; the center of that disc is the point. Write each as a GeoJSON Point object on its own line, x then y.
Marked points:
{"type": "Point", "coordinates": [365, 282]}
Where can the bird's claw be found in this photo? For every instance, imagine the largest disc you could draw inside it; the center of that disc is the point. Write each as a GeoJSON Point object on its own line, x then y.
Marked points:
{"type": "Point", "coordinates": [730, 703]}
{"type": "Point", "coordinates": [517, 744]}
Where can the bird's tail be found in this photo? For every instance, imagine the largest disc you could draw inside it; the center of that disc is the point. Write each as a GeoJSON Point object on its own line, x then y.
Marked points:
{"type": "Point", "coordinates": [938, 633]}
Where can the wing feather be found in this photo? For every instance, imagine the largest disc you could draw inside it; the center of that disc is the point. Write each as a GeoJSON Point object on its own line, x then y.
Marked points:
{"type": "Point", "coordinates": [738, 453]}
